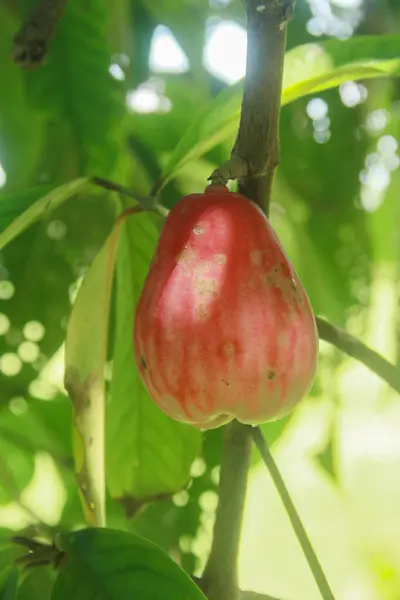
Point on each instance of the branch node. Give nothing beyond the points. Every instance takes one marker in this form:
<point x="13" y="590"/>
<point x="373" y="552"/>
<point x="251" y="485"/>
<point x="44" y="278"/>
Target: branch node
<point x="288" y="11"/>
<point x="234" y="168"/>
<point x="31" y="42"/>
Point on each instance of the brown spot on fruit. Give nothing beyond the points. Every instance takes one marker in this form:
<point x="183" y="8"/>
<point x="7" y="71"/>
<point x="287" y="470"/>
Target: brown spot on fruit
<point x="186" y="255"/>
<point x="269" y="280"/>
<point x="271" y="375"/>
<point x="143" y="363"/>
<point x="206" y="287"/>
<point x="229" y="350"/>
<point x="201" y="311"/>
<point x="198" y="230"/>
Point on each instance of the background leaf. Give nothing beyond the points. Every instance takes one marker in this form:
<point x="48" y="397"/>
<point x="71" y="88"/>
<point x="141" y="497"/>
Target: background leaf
<point x="37" y="584"/>
<point x="21" y="128"/>
<point x="9" y="584"/>
<point x="85" y="101"/>
<point x="308" y="69"/>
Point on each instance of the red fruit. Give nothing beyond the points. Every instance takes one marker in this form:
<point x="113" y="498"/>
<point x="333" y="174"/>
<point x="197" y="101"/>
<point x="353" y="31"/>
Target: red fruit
<point x="223" y="327"/>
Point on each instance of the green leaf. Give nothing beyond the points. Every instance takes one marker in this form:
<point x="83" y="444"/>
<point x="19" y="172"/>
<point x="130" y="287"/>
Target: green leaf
<point x="37" y="585"/>
<point x="85" y="359"/>
<point x="309" y="68"/>
<point x="114" y="565"/>
<point x="214" y="124"/>
<point x="38" y="209"/>
<point x="147" y="452"/>
<point x="42" y="426"/>
<point x="328" y="227"/>
<point x="9" y="553"/>
<point x="9" y="584"/>
<point x="75" y="88"/>
<point x="21" y="128"/>
<point x="16" y="469"/>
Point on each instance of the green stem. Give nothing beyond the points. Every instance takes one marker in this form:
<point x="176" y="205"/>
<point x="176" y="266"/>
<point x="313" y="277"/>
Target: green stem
<point x="293" y="515"/>
<point x="356" y="349"/>
<point x="220" y="579"/>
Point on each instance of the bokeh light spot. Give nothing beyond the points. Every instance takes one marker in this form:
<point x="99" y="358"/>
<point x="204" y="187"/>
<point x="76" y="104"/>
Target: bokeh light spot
<point x="10" y="364"/>
<point x="34" y="331"/>
<point x="28" y="351"/>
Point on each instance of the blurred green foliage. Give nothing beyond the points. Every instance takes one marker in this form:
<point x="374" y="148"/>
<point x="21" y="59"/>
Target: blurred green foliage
<point x="335" y="207"/>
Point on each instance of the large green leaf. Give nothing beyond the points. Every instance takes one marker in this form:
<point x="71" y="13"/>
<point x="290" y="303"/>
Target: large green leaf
<point x="9" y="584"/>
<point x="147" y="452"/>
<point x="113" y="565"/>
<point x="21" y="128"/>
<point x="40" y="426"/>
<point x="308" y="69"/>
<point x="75" y="89"/>
<point x="8" y="552"/>
<point x="311" y="68"/>
<point x="184" y="510"/>
<point x="37" y="585"/>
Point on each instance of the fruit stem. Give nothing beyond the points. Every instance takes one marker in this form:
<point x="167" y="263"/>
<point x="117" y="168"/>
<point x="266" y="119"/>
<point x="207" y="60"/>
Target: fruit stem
<point x="254" y="159"/>
<point x="220" y="578"/>
<point x="293" y="515"/>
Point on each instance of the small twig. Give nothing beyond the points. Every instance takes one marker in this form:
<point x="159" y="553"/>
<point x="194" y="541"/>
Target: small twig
<point x="220" y="579"/>
<point x="295" y="520"/>
<point x="116" y="187"/>
<point x="31" y="43"/>
<point x="156" y="188"/>
<point x="38" y="553"/>
<point x="356" y="349"/>
<point x="145" y="202"/>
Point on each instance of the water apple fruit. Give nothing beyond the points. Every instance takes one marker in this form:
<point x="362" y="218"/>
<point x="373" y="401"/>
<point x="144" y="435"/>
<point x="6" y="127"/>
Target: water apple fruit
<point x="223" y="327"/>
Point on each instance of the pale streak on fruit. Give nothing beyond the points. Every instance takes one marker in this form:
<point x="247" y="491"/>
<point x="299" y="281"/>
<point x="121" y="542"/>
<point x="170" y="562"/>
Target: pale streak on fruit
<point x="256" y="257"/>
